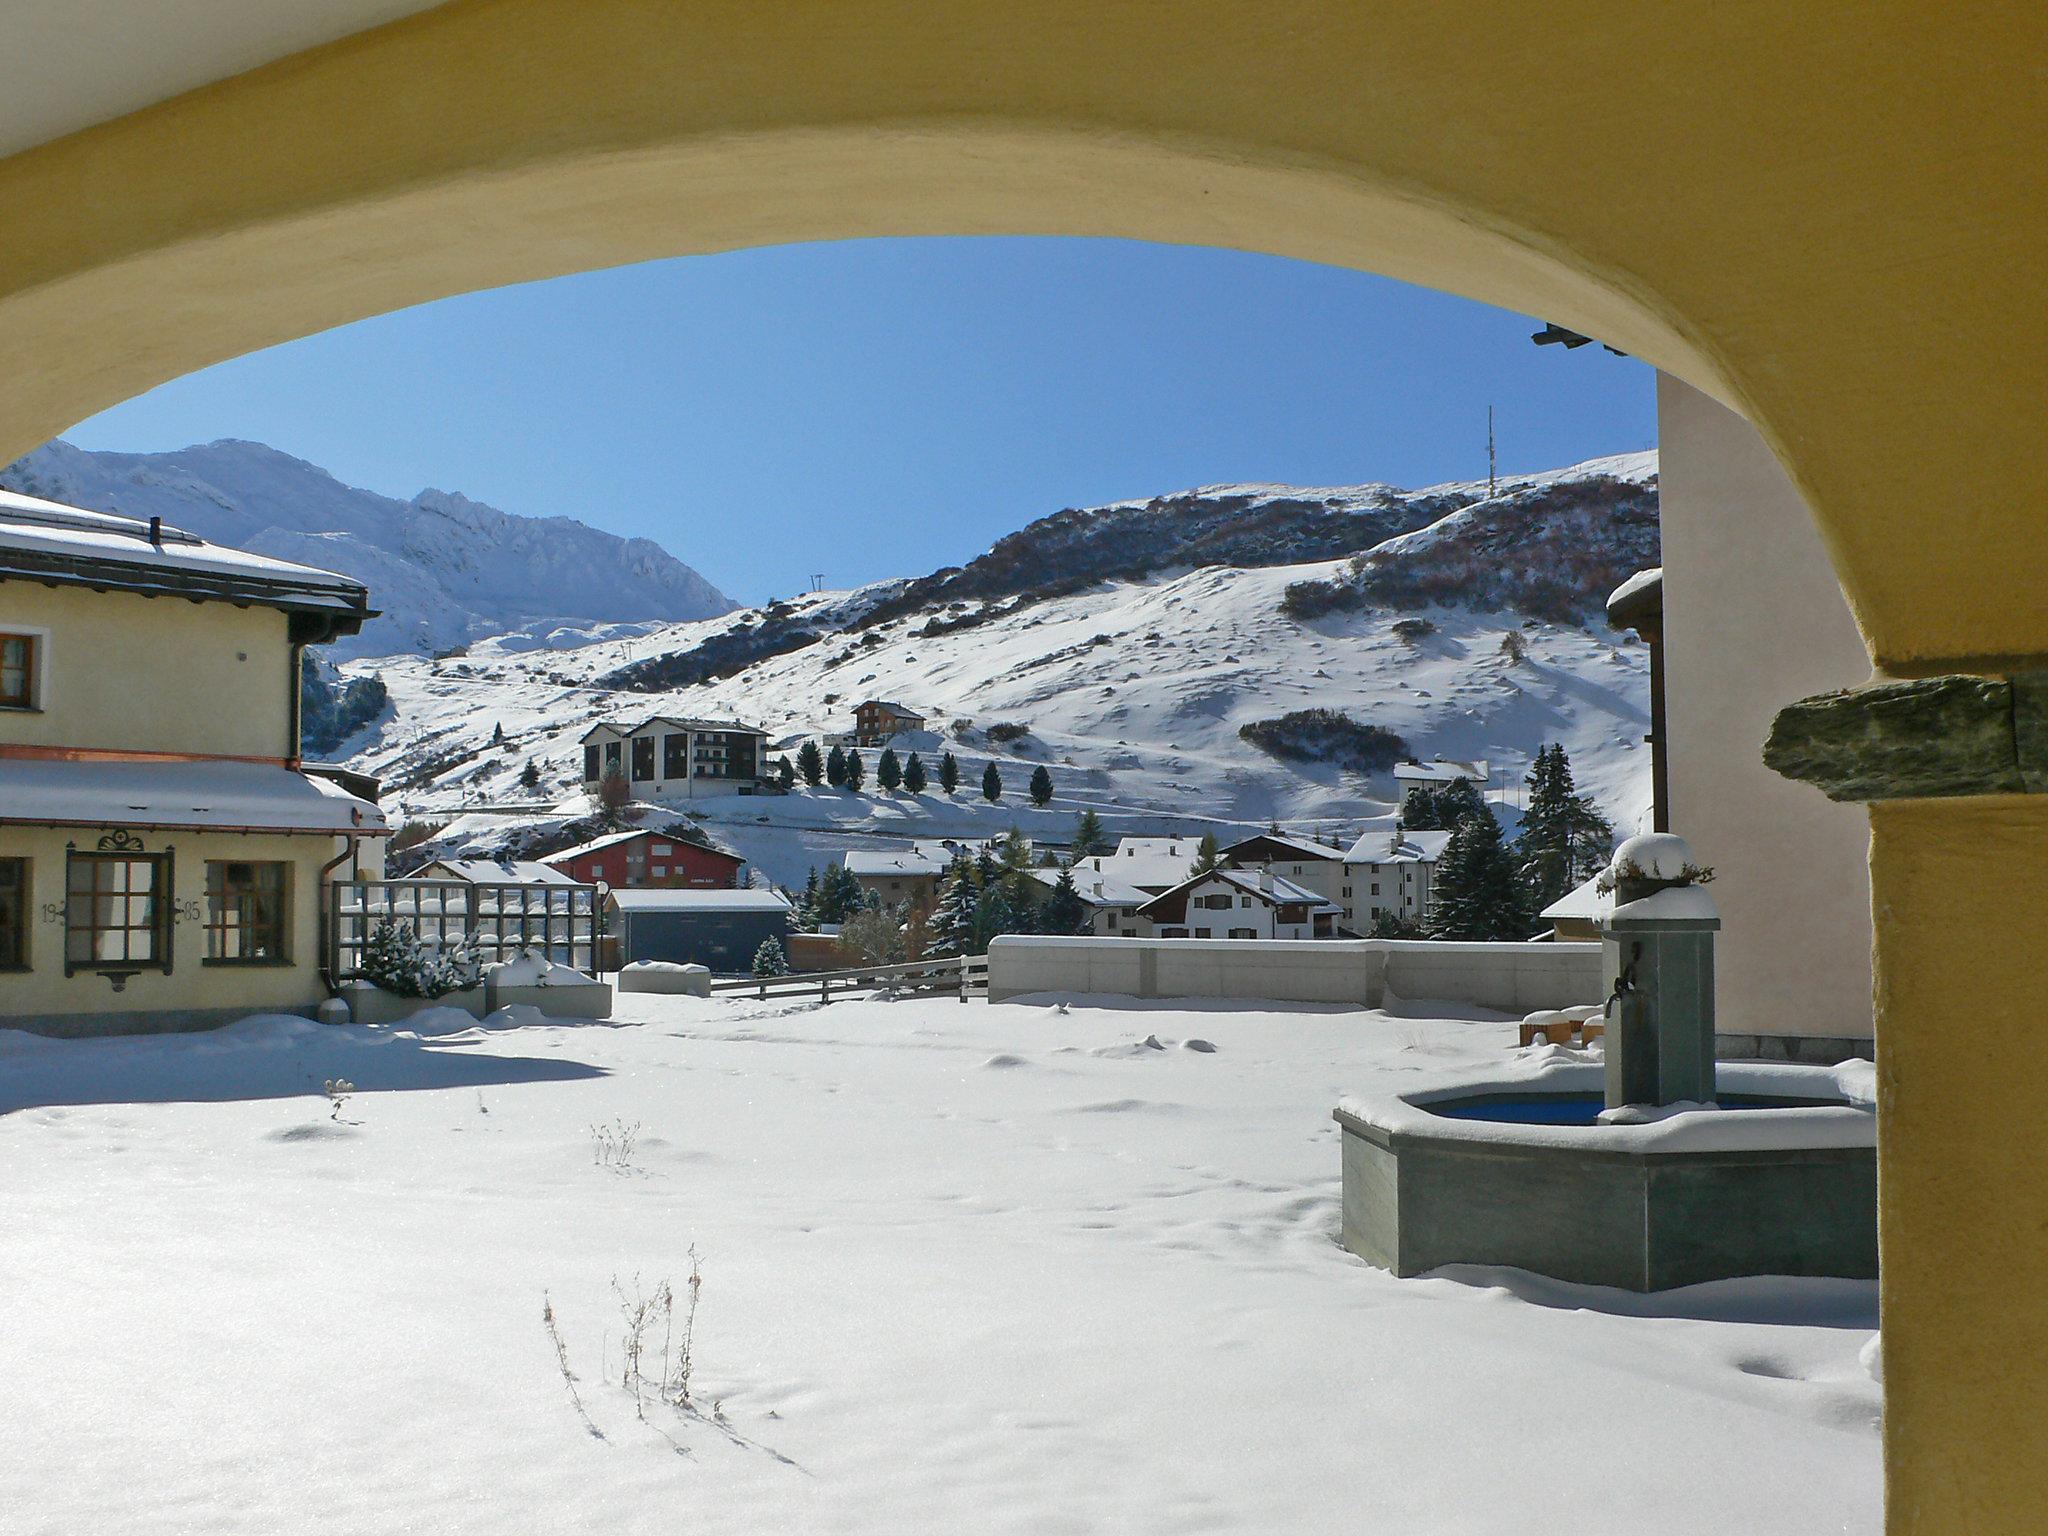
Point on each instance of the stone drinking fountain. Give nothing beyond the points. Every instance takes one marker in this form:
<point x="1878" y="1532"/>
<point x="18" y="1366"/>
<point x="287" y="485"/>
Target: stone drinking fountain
<point x="1653" y="1167"/>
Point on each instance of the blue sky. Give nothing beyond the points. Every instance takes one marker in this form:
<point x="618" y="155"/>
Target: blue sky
<point x="881" y="408"/>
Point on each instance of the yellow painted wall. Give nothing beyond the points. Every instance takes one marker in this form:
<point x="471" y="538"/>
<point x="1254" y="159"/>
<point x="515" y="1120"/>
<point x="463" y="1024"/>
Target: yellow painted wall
<point x="45" y="991"/>
<point x="1962" y="988"/>
<point x="1830" y="218"/>
<point x="156" y="674"/>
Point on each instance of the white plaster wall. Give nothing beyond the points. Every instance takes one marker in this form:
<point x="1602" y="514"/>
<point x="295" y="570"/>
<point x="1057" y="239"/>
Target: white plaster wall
<point x="1754" y="619"/>
<point x="1366" y="973"/>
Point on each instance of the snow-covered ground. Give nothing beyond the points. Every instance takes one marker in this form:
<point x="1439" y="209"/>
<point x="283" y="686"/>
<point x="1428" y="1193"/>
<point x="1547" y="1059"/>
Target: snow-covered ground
<point x="965" y="1268"/>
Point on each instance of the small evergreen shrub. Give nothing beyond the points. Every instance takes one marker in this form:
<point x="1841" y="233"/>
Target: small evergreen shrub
<point x="402" y="963"/>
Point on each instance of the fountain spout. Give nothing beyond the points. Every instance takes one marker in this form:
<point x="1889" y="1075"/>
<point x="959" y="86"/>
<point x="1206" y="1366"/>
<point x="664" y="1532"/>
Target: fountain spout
<point x="1658" y="944"/>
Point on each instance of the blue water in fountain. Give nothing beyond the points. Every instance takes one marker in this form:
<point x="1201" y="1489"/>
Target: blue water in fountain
<point x="1579" y="1108"/>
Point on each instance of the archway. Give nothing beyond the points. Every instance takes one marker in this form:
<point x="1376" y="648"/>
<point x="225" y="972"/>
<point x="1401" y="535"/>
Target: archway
<point x="1831" y="225"/>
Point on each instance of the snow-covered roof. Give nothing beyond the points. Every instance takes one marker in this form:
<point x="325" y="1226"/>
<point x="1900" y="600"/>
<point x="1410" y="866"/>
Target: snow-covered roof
<point x="1096" y="890"/>
<point x="137" y="793"/>
<point x="1158" y="871"/>
<point x="1147" y="847"/>
<point x="699" y="901"/>
<point x="1442" y="770"/>
<point x="903" y="863"/>
<point x="1398" y="847"/>
<point x="613" y="839"/>
<point x="497" y="872"/>
<point x="683" y="722"/>
<point x="1272" y="890"/>
<point x="1585" y="902"/>
<point x="924" y="856"/>
<point x="49" y="542"/>
<point x="1638" y="598"/>
<point x="1307" y="847"/>
<point x="945" y="849"/>
<point x="901" y="711"/>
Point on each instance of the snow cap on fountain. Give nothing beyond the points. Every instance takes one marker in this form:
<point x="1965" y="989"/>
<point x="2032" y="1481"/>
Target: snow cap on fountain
<point x="1656" y="855"/>
<point x="1654" y="875"/>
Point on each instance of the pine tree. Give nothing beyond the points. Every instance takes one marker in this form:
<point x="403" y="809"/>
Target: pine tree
<point x="856" y="771"/>
<point x="1457" y="800"/>
<point x="842" y="895"/>
<point x="1041" y="786"/>
<point x="1564" y="839"/>
<point x="1477" y="891"/>
<point x="498" y="734"/>
<point x="994" y="913"/>
<point x="1420" y="811"/>
<point x="810" y="764"/>
<point x="785" y="775"/>
<point x="991" y="783"/>
<point x="529" y="776"/>
<point x="889" y="771"/>
<point x="1063" y="911"/>
<point x="950" y="929"/>
<point x="835" y="767"/>
<point x="1089" y="838"/>
<point x="1207" y="857"/>
<point x="949" y="772"/>
<point x="913" y="775"/>
<point x="806" y="917"/>
<point x="769" y="959"/>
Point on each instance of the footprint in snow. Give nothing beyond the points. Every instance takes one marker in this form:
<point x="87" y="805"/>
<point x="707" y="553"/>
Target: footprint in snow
<point x="1004" y="1059"/>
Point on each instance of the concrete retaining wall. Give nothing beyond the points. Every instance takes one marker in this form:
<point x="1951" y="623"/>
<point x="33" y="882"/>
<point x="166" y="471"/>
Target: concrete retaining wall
<point x="1512" y="978"/>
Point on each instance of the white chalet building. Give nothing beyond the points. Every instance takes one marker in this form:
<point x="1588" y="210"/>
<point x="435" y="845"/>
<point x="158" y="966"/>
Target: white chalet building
<point x="675" y="758"/>
<point x="1440" y="771"/>
<point x="1390" y="871"/>
<point x="1240" y="904"/>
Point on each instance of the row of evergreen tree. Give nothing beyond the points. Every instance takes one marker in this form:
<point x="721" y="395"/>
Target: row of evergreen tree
<point x="1485" y="887"/>
<point x="844" y="768"/>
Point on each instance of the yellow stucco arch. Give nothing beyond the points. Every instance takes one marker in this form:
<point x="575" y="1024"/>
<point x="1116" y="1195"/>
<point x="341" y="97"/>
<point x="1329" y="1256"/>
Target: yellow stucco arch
<point x="1831" y="218"/>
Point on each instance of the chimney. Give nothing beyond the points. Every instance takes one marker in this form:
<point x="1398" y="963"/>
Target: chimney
<point x="156" y="532"/>
<point x="1266" y="878"/>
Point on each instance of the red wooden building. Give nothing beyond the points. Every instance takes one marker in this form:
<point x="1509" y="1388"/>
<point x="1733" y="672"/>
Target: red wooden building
<point x="640" y="860"/>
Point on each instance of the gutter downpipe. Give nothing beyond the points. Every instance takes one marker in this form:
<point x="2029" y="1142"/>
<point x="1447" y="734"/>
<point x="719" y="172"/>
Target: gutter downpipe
<point x="323" y="886"/>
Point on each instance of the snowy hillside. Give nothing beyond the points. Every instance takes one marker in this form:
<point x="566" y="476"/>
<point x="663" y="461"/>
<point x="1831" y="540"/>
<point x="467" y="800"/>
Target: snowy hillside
<point x="1134" y="691"/>
<point x="443" y="569"/>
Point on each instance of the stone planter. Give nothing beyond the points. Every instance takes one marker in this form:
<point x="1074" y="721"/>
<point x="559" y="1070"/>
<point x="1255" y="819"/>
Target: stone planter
<point x="370" y="1004"/>
<point x="565" y="1000"/>
<point x="663" y="976"/>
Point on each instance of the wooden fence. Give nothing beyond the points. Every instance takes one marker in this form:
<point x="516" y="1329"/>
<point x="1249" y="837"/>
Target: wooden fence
<point x="966" y="975"/>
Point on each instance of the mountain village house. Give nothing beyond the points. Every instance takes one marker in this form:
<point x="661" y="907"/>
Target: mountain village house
<point x="162" y="848"/>
<point x="875" y="721"/>
<point x="1382" y="872"/>
<point x="1440" y="772"/>
<point x="643" y="859"/>
<point x="1112" y="904"/>
<point x="1241" y="904"/>
<point x="493" y="872"/>
<point x="667" y="758"/>
<point x="896" y="876"/>
<point x="720" y="929"/>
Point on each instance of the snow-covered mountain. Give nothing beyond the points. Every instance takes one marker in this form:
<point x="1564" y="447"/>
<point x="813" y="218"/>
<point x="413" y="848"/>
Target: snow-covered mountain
<point x="1130" y="654"/>
<point x="444" y="570"/>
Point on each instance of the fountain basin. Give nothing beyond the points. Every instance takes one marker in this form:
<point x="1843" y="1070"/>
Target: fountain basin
<point x="1510" y="1170"/>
